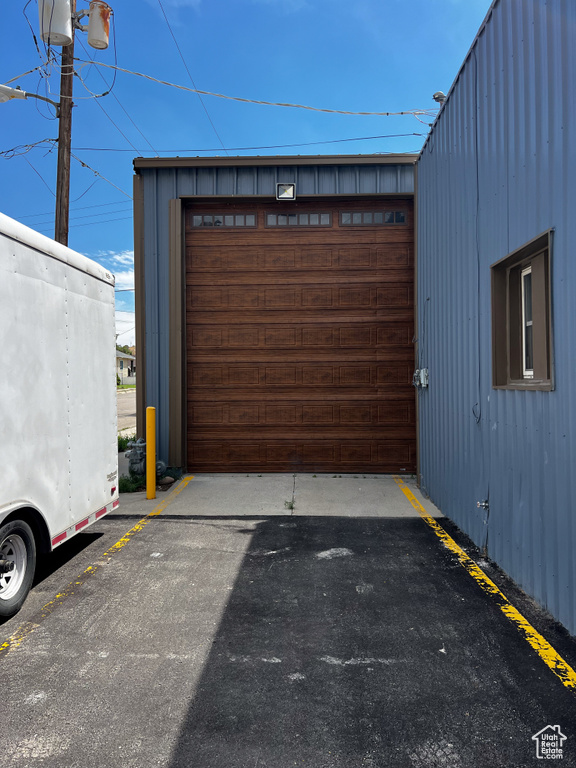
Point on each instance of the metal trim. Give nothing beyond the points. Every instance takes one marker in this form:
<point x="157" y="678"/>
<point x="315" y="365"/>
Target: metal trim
<point x="139" y="304"/>
<point x="177" y="417"/>
<point x="272" y="160"/>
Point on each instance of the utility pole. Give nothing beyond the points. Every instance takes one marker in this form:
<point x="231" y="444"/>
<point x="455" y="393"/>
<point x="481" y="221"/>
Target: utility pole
<point x="58" y="22"/>
<point x="65" y="140"/>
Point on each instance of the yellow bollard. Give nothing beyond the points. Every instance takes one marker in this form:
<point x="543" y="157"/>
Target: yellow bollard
<point x="150" y="453"/>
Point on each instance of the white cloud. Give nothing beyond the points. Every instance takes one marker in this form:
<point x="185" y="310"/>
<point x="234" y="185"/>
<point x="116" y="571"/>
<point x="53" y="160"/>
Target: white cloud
<point x="126" y="257"/>
<point x="125" y="328"/>
<point x="124" y="280"/>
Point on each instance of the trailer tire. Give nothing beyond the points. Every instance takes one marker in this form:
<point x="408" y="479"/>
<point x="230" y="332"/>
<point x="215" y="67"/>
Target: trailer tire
<point x="17" y="545"/>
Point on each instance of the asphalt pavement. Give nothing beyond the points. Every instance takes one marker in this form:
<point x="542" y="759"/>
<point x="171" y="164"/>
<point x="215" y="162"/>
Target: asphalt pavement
<point x="245" y="621"/>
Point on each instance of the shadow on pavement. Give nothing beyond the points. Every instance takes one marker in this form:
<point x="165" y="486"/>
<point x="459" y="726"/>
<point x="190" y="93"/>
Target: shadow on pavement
<point x="52" y="562"/>
<point x="360" y="642"/>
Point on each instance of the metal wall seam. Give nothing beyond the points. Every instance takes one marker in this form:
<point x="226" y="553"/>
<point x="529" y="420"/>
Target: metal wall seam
<point x="482" y="200"/>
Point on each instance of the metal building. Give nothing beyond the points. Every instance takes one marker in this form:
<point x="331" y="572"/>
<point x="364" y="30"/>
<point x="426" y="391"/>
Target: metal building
<point x="496" y="201"/>
<point x="275" y="309"/>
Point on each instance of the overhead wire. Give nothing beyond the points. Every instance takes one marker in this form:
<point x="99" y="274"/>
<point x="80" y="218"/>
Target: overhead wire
<point x="123" y="310"/>
<point x="22" y="149"/>
<point x="110" y="93"/>
<point x="82" y="208"/>
<point x="268" y="146"/>
<point x="97" y="173"/>
<point x="97" y="96"/>
<point x="32" y="31"/>
<point x="84" y="193"/>
<point x="413" y="112"/>
<point x="45" y="226"/>
<point x="89" y="216"/>
<point x="30" y="71"/>
<point x="37" y="172"/>
<point x="190" y="76"/>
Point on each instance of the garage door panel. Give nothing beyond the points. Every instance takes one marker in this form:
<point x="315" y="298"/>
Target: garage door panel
<point x="283" y="374"/>
<point x="293" y="297"/>
<point x="337" y="420"/>
<point x="303" y="456"/>
<point x="323" y="373"/>
<point x="235" y="259"/>
<point x="244" y="280"/>
<point x="299" y="343"/>
<point x="286" y="413"/>
<point x="253" y="336"/>
<point x="257" y="243"/>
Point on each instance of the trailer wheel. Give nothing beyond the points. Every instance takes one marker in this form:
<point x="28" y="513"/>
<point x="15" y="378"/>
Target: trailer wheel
<point x="17" y="565"/>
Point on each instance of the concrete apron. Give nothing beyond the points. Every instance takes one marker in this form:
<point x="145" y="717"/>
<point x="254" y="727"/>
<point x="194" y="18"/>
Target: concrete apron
<point x="234" y="495"/>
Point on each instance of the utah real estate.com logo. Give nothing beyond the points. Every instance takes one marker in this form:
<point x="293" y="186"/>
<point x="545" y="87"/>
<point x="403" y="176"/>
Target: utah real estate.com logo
<point x="549" y="743"/>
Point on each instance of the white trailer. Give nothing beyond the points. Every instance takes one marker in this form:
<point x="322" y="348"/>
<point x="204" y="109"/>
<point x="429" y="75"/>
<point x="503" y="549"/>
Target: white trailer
<point x="58" y="434"/>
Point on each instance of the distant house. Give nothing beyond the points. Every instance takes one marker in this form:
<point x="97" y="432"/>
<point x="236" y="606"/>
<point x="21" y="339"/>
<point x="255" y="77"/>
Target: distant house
<point x="125" y="365"/>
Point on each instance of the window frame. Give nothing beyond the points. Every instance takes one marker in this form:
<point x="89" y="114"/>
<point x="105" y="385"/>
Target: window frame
<point x="527" y="339"/>
<point x="509" y="327"/>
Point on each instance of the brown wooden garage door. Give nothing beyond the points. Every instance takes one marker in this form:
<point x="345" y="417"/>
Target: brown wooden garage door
<point x="299" y="336"/>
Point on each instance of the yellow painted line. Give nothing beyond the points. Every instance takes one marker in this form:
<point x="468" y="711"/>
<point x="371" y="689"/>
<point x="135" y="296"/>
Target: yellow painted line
<point x="18" y="637"/>
<point x="549" y="656"/>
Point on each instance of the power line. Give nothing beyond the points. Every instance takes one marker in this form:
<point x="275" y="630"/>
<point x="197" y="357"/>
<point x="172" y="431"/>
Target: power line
<point x="32" y="31"/>
<point x="85" y="192"/>
<point x="109" y="92"/>
<point x="82" y="208"/>
<point x="412" y="112"/>
<point x="41" y="177"/>
<point x="120" y="131"/>
<point x="269" y="146"/>
<point x="97" y="173"/>
<point x="190" y="75"/>
<point x="90" y="216"/>
<point x="30" y="71"/>
<point x="44" y="225"/>
<point x="22" y="149"/>
<point x="215" y="149"/>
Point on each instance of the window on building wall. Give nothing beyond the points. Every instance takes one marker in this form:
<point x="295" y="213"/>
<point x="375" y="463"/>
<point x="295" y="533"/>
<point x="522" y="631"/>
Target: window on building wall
<point x="522" y="318"/>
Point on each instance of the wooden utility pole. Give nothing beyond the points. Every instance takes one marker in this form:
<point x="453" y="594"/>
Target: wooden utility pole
<point x="65" y="139"/>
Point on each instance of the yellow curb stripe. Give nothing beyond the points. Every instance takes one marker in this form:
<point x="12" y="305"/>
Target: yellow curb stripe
<point x="18" y="637"/>
<point x="549" y="656"/>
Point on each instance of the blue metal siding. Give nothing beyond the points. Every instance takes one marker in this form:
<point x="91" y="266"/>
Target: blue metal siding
<point x="164" y="184"/>
<point x="496" y="171"/>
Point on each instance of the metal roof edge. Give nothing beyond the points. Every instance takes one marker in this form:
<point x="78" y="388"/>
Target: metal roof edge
<point x="15" y="230"/>
<point x="465" y="61"/>
<point x="273" y="160"/>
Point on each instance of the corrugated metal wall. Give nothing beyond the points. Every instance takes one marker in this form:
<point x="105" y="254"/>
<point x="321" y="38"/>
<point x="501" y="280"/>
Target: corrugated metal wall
<point x="497" y="170"/>
<point x="162" y="184"/>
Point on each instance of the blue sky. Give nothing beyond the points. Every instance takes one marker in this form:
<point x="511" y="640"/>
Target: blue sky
<point x="354" y="55"/>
